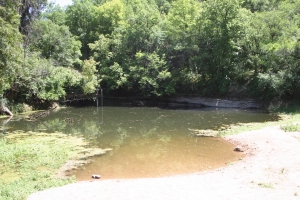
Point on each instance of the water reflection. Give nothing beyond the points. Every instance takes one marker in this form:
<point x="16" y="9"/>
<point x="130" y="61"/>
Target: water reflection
<point x="146" y="141"/>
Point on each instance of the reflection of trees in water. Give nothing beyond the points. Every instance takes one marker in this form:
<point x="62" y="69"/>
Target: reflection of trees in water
<point x="135" y="132"/>
<point x="38" y="125"/>
<point x="136" y="127"/>
<point x="164" y="138"/>
<point x="67" y="125"/>
<point x="150" y="143"/>
<point x="152" y="150"/>
<point x="121" y="136"/>
<point x="51" y="125"/>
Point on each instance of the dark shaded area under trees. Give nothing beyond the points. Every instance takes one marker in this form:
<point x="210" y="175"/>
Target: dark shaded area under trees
<point x="149" y="48"/>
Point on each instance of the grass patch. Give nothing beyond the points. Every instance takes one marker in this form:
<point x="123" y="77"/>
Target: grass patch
<point x="29" y="162"/>
<point x="266" y="185"/>
<point x="287" y="122"/>
<point x="291" y="127"/>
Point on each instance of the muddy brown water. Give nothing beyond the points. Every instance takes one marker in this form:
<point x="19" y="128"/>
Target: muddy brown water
<point x="146" y="141"/>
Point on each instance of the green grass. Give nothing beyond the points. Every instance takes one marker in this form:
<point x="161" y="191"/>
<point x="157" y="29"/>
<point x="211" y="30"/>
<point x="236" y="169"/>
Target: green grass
<point x="289" y="121"/>
<point x="266" y="185"/>
<point x="29" y="183"/>
<point x="291" y="127"/>
<point x="29" y="162"/>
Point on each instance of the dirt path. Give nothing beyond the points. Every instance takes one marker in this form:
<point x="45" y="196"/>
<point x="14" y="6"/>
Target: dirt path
<point x="270" y="171"/>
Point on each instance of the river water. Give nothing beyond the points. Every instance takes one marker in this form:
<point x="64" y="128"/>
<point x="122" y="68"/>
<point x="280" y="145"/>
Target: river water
<point x="146" y="141"/>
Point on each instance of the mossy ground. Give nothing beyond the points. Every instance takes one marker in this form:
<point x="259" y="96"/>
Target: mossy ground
<point x="29" y="161"/>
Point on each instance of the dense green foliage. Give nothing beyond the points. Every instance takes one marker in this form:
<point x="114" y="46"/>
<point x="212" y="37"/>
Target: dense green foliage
<point x="151" y="48"/>
<point x="10" y="51"/>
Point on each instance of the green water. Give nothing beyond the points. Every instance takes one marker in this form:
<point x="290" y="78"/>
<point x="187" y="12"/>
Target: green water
<point x="146" y="141"/>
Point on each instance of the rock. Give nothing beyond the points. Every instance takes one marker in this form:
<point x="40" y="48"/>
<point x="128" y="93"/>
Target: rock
<point x="95" y="176"/>
<point x="238" y="149"/>
<point x="220" y="103"/>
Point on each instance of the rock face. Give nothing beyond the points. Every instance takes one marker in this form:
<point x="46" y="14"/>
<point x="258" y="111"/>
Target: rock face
<point x="220" y="103"/>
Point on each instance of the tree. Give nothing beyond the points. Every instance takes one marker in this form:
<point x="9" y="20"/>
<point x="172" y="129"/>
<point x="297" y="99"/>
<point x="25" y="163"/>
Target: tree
<point x="57" y="82"/>
<point x="261" y="5"/>
<point x="55" y="42"/>
<point x="80" y="17"/>
<point x="278" y="74"/>
<point x="90" y="81"/>
<point x="55" y="13"/>
<point x="114" y="75"/>
<point x="29" y="11"/>
<point x="108" y="16"/>
<point x="181" y="42"/>
<point x="150" y="47"/>
<point x="10" y="41"/>
<point x="149" y="73"/>
<point x="164" y="5"/>
<point x="128" y="54"/>
<point x="222" y="25"/>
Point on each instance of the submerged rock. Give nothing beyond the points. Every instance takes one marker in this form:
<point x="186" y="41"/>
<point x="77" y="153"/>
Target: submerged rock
<point x="204" y="133"/>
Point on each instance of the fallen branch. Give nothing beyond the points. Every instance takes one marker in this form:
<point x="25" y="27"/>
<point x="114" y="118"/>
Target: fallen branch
<point x="7" y="111"/>
<point x="41" y="114"/>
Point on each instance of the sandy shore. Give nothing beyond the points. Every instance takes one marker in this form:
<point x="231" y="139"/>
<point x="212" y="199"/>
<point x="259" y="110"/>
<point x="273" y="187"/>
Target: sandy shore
<point x="271" y="170"/>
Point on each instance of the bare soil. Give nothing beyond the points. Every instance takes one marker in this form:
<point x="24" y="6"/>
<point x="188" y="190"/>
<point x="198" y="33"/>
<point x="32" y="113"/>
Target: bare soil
<point x="270" y="170"/>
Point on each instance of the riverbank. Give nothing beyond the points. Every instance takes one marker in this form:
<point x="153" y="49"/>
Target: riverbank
<point x="30" y="161"/>
<point x="270" y="170"/>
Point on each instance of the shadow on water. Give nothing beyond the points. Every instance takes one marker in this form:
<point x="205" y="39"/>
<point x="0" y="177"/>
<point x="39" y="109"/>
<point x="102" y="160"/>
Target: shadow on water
<point x="146" y="141"/>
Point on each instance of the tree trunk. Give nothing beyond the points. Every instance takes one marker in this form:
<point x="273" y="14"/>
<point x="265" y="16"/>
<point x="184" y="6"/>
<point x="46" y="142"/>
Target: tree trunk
<point x="6" y="110"/>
